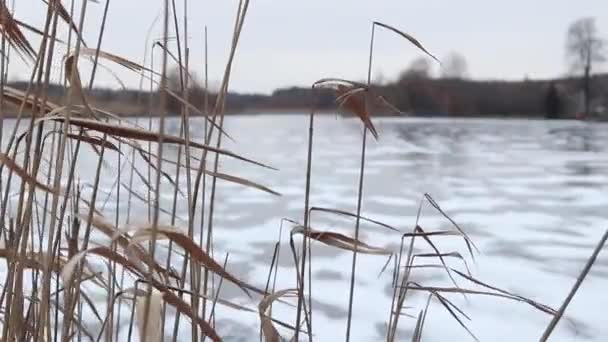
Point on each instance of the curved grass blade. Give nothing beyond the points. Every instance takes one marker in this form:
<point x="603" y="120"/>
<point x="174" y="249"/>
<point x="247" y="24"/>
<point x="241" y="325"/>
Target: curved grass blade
<point x="270" y="332"/>
<point x="409" y="38"/>
<point x="346" y="213"/>
<point x="195" y="252"/>
<point x="11" y="31"/>
<point x="8" y="162"/>
<point x="340" y="241"/>
<point x="140" y="134"/>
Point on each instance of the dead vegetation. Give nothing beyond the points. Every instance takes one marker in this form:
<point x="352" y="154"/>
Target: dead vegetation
<point x="55" y="272"/>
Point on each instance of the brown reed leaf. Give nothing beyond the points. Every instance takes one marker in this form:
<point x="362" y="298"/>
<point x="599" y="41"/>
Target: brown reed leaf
<point x="67" y="273"/>
<point x="114" y="58"/>
<point x="408" y="37"/>
<point x="195" y="252"/>
<point x="17" y="98"/>
<point x="140" y="134"/>
<point x="72" y="74"/>
<point x="355" y="100"/>
<point x="187" y="310"/>
<point x="36" y="31"/>
<point x="8" y="162"/>
<point x="65" y="16"/>
<point x="11" y="31"/>
<point x="96" y="141"/>
<point x="241" y="181"/>
<point x="138" y="68"/>
<point x="270" y="332"/>
<point x="135" y="251"/>
<point x="332" y="83"/>
<point x="340" y="241"/>
<point x="346" y="213"/>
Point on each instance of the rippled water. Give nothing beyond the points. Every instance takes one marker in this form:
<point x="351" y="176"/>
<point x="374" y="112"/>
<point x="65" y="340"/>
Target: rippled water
<point x="531" y="194"/>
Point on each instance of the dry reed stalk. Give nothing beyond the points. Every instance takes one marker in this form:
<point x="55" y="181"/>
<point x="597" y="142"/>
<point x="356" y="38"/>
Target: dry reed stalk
<point x="60" y="153"/>
<point x="558" y="315"/>
<point x="367" y="122"/>
<point x="305" y="241"/>
<point x="183" y="108"/>
<point x="74" y="295"/>
<point x="159" y="153"/>
<point x="398" y="298"/>
<point x="218" y="111"/>
<point x="26" y="220"/>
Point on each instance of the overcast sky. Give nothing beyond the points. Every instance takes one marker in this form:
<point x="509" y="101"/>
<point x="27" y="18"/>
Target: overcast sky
<point x="289" y="42"/>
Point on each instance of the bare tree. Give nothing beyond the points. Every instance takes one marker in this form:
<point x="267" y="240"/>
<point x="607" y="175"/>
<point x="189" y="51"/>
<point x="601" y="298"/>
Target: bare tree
<point x="454" y="66"/>
<point x="584" y="49"/>
<point x="420" y="68"/>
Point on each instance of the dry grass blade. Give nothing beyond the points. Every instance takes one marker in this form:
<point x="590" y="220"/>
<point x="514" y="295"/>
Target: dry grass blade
<point x="448" y="306"/>
<point x="438" y="289"/>
<point x="332" y="82"/>
<point x="438" y="253"/>
<point x="148" y="158"/>
<point x="355" y="100"/>
<point x="114" y="58"/>
<point x="558" y="315"/>
<point x="536" y="305"/>
<point x="186" y="309"/>
<point x="65" y="16"/>
<point x="445" y="255"/>
<point x="37" y="31"/>
<point x="11" y="31"/>
<point x="270" y="332"/>
<point x="142" y="198"/>
<point x="340" y="241"/>
<point x="95" y="141"/>
<point x="241" y="181"/>
<point x="140" y="134"/>
<point x="150" y="330"/>
<point x="196" y="253"/>
<point x="133" y="251"/>
<point x="433" y="233"/>
<point x="225" y="303"/>
<point x="77" y="322"/>
<point x="420" y="322"/>
<point x="8" y="162"/>
<point x="408" y="37"/>
<point x="135" y="67"/>
<point x="417" y="335"/>
<point x="18" y="98"/>
<point x="72" y="74"/>
<point x="91" y="305"/>
<point x="346" y="213"/>
<point x="35" y="261"/>
<point x="164" y="294"/>
<point x="384" y="102"/>
<point x="468" y="241"/>
<point x="67" y="273"/>
<point x="167" y="176"/>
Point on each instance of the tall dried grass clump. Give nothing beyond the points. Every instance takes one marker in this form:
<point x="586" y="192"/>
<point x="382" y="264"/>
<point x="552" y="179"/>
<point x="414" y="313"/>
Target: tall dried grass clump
<point x="157" y="277"/>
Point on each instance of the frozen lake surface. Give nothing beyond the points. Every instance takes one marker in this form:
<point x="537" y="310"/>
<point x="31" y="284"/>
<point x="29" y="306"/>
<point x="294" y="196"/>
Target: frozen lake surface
<point x="532" y="195"/>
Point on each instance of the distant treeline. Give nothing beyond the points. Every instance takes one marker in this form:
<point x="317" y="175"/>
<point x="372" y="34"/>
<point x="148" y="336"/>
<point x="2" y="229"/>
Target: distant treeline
<point x="412" y="94"/>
